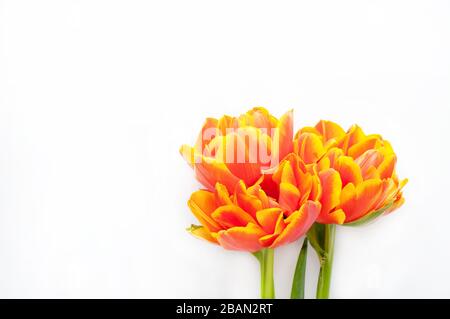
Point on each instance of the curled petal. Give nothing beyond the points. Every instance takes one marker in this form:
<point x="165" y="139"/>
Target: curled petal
<point x="188" y="154"/>
<point x="269" y="218"/>
<point x="331" y="192"/>
<point x="353" y="136"/>
<point x="386" y="168"/>
<point x="282" y="137"/>
<point x="202" y="233"/>
<point x="350" y="171"/>
<point x="232" y="216"/>
<point x="242" y="238"/>
<point x="329" y="130"/>
<point x="209" y="172"/>
<point x="367" y="144"/>
<point x="222" y="197"/>
<point x="208" y="132"/>
<point x="289" y="197"/>
<point x="362" y="200"/>
<point x="248" y="202"/>
<point x="201" y="203"/>
<point x="299" y="223"/>
<point x="309" y="147"/>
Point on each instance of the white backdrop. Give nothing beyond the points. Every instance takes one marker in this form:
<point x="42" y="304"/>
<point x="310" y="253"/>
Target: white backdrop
<point x="97" y="96"/>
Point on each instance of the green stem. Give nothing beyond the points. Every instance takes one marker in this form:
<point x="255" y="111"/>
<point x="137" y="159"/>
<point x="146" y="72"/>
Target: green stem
<point x="298" y="282"/>
<point x="265" y="258"/>
<point x="326" y="262"/>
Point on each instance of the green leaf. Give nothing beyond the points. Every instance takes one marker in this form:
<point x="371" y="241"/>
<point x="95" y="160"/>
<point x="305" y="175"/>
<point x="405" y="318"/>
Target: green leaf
<point x="298" y="282"/>
<point x="369" y="217"/>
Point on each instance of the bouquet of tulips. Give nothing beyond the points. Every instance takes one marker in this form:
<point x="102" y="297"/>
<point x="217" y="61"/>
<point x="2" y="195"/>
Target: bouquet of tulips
<point x="266" y="187"/>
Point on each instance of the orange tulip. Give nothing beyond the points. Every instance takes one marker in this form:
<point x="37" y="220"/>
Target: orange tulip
<point x="231" y="149"/>
<point x="356" y="171"/>
<point x="248" y="220"/>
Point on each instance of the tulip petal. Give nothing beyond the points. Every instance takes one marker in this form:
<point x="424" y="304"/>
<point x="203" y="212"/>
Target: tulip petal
<point x="241" y="238"/>
<point x="354" y="136"/>
<point x="337" y="217"/>
<point x="208" y="132"/>
<point x="268" y="240"/>
<point x="209" y="171"/>
<point x="201" y="204"/>
<point x="283" y="136"/>
<point x="188" y="154"/>
<point x="365" y="198"/>
<point x="350" y="171"/>
<point x="386" y="168"/>
<point x="358" y="149"/>
<point x="268" y="218"/>
<point x="246" y="201"/>
<point x="232" y="216"/>
<point x="309" y="147"/>
<point x="329" y="130"/>
<point x="299" y="223"/>
<point x="202" y="233"/>
<point x="222" y="197"/>
<point x="331" y="190"/>
<point x="289" y="197"/>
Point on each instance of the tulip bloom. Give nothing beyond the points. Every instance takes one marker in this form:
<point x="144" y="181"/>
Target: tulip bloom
<point x="231" y="149"/>
<point x="357" y="172"/>
<point x="358" y="180"/>
<point x="249" y="220"/>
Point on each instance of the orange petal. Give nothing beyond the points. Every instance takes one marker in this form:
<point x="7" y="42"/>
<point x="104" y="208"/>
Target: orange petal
<point x="222" y="197"/>
<point x="329" y="130"/>
<point x="283" y="136"/>
<point x="309" y="147"/>
<point x="331" y="190"/>
<point x="240" y="155"/>
<point x="369" y="159"/>
<point x="306" y="129"/>
<point x="205" y="200"/>
<point x="269" y="186"/>
<point x="287" y="175"/>
<point x="210" y="171"/>
<point x="242" y="238"/>
<point x="202" y="205"/>
<point x="268" y="218"/>
<point x="350" y="171"/>
<point x="232" y="216"/>
<point x="289" y="197"/>
<point x="366" y="196"/>
<point x="268" y="240"/>
<point x="367" y="144"/>
<point x="250" y="203"/>
<point x="299" y="223"/>
<point x="354" y="135"/>
<point x="202" y="233"/>
<point x="386" y="168"/>
<point x="208" y="132"/>
<point x="188" y="154"/>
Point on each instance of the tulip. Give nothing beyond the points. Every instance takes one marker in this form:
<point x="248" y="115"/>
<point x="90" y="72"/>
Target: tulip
<point x="356" y="171"/>
<point x="249" y="220"/>
<point x="358" y="180"/>
<point x="231" y="149"/>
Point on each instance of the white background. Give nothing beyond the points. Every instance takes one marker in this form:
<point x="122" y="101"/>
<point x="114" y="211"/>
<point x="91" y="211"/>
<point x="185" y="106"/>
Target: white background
<point x="97" y="96"/>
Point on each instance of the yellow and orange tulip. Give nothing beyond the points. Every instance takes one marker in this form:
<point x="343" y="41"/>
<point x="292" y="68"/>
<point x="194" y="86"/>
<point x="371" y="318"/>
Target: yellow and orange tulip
<point x="356" y="171"/>
<point x="231" y="149"/>
<point x="248" y="220"/>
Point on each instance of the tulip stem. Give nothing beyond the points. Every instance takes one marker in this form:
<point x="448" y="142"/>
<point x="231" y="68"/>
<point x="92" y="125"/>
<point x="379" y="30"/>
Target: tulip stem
<point x="326" y="262"/>
<point x="265" y="258"/>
